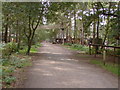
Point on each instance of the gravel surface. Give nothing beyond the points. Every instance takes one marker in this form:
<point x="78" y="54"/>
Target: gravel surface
<point x="58" y="67"/>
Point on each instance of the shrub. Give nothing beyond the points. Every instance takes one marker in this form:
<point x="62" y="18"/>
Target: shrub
<point x="77" y="47"/>
<point x="8" y="49"/>
<point x="118" y="52"/>
<point x="68" y="44"/>
<point x="80" y="47"/>
<point x="9" y="80"/>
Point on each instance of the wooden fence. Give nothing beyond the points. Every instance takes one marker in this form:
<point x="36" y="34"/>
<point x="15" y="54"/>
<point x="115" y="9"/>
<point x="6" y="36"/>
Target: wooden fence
<point x="104" y="47"/>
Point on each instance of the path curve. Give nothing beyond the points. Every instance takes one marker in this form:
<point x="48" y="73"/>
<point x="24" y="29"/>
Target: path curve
<point x="58" y="67"/>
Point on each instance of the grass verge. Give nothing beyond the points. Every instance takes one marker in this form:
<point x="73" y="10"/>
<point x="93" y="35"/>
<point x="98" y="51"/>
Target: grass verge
<point x="109" y="66"/>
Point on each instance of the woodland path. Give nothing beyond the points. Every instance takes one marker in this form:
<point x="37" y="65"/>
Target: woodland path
<point x="58" y="67"/>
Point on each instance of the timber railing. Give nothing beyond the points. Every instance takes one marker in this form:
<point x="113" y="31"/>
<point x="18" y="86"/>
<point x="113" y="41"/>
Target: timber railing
<point x="104" y="50"/>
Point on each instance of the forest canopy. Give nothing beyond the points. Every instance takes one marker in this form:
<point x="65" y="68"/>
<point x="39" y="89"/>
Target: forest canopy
<point x="82" y="21"/>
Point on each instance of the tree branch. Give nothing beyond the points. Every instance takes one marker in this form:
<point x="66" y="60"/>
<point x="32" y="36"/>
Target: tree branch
<point x="25" y="33"/>
<point x="29" y="27"/>
<point x="107" y="14"/>
<point x="34" y="28"/>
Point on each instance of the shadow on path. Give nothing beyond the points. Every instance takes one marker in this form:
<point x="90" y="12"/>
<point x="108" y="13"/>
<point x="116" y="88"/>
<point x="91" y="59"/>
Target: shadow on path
<point x="57" y="67"/>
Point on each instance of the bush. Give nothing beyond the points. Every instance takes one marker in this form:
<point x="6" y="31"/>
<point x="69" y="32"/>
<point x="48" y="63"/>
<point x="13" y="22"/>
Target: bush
<point x="80" y="47"/>
<point x="9" y="80"/>
<point x="118" y="52"/>
<point x="77" y="47"/>
<point x="8" y="49"/>
<point x="68" y="44"/>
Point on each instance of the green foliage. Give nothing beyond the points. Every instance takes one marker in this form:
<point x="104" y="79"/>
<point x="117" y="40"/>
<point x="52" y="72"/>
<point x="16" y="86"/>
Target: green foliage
<point x="68" y="44"/>
<point x="9" y="67"/>
<point x="118" y="52"/>
<point x="109" y="66"/>
<point x="77" y="47"/>
<point x="33" y="48"/>
<point x="9" y="80"/>
<point x="8" y="49"/>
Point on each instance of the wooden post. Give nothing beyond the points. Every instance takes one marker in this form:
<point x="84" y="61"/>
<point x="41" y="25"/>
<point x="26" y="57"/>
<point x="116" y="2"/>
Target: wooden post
<point x="104" y="56"/>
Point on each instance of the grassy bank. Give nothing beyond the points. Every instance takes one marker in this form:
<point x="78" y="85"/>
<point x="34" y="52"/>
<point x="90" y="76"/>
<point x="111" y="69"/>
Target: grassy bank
<point x="109" y="66"/>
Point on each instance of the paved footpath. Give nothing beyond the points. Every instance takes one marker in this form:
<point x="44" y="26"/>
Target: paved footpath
<point x="57" y="67"/>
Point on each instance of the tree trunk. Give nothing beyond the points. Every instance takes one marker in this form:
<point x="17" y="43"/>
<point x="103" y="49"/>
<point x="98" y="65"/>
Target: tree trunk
<point x="82" y="33"/>
<point x="119" y="21"/>
<point x="94" y="29"/>
<point x="32" y="30"/>
<point x="6" y="30"/>
<point x="2" y="35"/>
<point x="29" y="47"/>
<point x="19" y="40"/>
<point x="74" y="26"/>
<point x="17" y="32"/>
<point x="98" y="22"/>
<point x="107" y="28"/>
<point x="6" y="33"/>
<point x="66" y="34"/>
<point x="30" y="42"/>
<point x="9" y="35"/>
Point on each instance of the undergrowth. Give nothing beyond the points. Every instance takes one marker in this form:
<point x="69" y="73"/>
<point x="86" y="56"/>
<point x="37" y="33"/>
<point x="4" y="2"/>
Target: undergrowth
<point x="33" y="49"/>
<point x="77" y="47"/>
<point x="10" y="61"/>
<point x="9" y="66"/>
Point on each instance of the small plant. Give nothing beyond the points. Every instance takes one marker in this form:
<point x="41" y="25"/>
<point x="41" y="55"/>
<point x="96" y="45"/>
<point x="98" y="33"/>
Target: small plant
<point x="8" y="49"/>
<point x="10" y="65"/>
<point x="9" y="80"/>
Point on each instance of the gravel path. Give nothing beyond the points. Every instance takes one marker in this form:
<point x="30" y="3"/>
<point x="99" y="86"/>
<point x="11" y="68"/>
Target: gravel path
<point x="58" y="67"/>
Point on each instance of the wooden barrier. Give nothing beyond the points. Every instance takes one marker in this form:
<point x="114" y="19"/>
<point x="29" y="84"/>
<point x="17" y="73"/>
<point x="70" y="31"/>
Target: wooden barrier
<point x="104" y="51"/>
